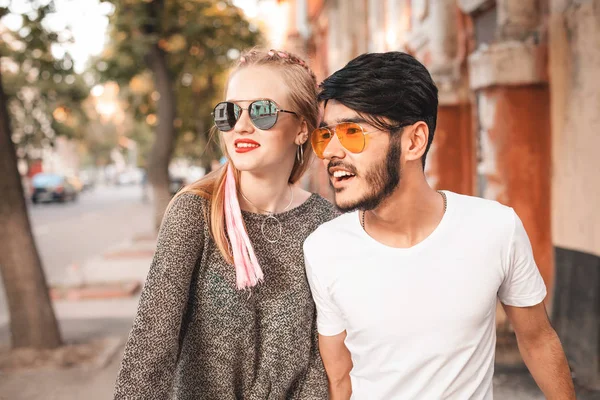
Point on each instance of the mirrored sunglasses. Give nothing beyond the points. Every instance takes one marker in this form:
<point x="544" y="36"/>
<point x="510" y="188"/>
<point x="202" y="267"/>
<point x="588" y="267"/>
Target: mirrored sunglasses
<point x="263" y="114"/>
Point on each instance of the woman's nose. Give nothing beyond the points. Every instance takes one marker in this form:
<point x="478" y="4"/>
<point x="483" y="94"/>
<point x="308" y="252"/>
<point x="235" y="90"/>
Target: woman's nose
<point x="243" y="124"/>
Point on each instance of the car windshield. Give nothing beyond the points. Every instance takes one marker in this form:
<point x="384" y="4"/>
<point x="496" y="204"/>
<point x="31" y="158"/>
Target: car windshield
<point x="45" y="180"/>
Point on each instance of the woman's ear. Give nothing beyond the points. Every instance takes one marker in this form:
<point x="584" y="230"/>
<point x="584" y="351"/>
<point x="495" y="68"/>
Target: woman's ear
<point x="302" y="135"/>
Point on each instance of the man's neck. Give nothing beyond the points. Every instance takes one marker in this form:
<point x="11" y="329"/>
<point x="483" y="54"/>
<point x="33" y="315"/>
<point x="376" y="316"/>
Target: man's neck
<point x="411" y="213"/>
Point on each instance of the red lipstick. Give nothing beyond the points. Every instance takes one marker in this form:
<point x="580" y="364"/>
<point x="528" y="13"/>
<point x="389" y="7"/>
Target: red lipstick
<point x="245" y="145"/>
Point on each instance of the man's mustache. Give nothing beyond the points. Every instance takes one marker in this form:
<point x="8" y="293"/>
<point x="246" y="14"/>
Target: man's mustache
<point x="337" y="164"/>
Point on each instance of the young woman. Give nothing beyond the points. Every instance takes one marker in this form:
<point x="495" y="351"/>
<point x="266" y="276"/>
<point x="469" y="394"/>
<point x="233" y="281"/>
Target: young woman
<point x="226" y="311"/>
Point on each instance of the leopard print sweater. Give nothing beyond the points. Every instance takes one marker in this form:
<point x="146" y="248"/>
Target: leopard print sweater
<point x="196" y="336"/>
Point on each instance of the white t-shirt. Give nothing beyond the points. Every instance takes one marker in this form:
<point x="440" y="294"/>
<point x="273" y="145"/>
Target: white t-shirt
<point x="420" y="321"/>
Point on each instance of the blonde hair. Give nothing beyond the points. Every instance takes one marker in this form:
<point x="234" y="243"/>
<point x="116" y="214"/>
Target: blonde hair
<point x="302" y="84"/>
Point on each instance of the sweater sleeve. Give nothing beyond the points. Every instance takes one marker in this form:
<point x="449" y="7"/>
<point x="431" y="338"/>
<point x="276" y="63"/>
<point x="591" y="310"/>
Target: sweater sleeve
<point x="152" y="349"/>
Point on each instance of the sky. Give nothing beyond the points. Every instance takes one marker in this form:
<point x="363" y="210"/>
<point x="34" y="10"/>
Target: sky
<point x="88" y="21"/>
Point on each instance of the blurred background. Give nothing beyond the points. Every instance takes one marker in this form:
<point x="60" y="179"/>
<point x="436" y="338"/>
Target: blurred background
<point x="105" y="114"/>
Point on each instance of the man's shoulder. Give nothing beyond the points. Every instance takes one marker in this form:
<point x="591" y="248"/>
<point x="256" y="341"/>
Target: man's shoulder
<point x="474" y="204"/>
<point x="322" y="247"/>
<point x="329" y="231"/>
<point x="482" y="212"/>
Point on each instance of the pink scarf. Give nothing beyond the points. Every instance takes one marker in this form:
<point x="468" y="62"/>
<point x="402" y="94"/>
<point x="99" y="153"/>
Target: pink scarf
<point x="247" y="269"/>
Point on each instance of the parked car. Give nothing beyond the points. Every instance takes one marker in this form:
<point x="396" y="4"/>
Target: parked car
<point x="52" y="187"/>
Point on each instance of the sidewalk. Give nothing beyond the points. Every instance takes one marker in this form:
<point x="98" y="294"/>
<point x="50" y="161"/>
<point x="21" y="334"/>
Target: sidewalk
<point x="108" y="285"/>
<point x="108" y="315"/>
<point x="92" y="311"/>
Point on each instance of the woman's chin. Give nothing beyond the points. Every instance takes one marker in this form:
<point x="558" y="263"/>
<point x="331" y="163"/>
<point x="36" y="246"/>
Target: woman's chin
<point x="246" y="164"/>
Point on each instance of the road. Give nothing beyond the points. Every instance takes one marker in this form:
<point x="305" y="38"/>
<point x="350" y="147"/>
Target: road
<point x="68" y="234"/>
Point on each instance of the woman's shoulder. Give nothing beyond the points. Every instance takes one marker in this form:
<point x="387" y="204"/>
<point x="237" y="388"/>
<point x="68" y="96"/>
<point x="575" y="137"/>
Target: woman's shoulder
<point x="324" y="208"/>
<point x="187" y="203"/>
<point x="185" y="212"/>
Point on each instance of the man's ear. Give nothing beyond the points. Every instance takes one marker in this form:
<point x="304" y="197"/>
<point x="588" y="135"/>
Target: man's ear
<point x="414" y="141"/>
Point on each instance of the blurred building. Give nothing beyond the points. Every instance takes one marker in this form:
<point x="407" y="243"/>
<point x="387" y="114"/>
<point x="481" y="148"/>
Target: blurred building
<point x="518" y="121"/>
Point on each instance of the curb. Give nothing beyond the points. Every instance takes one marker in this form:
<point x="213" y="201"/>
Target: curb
<point x="129" y="253"/>
<point x="69" y="356"/>
<point x="96" y="291"/>
<point x="145" y="237"/>
<point x="116" y="273"/>
<point x="114" y="345"/>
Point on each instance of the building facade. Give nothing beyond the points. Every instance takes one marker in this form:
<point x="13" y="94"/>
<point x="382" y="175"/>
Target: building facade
<point x="518" y="122"/>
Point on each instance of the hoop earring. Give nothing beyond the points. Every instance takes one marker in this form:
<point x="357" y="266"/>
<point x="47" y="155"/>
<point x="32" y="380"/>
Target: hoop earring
<point x="300" y="154"/>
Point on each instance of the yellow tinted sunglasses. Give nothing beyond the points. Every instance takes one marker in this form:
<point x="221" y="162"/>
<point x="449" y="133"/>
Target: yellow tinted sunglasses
<point x="351" y="135"/>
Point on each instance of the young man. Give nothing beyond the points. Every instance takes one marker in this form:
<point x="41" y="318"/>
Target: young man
<point x="406" y="281"/>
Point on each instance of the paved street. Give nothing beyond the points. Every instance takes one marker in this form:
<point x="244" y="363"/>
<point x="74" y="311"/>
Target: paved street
<point x="68" y="234"/>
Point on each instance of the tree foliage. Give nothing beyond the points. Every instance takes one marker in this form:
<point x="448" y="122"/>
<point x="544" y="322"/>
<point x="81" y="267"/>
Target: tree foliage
<point x="200" y="39"/>
<point x="44" y="93"/>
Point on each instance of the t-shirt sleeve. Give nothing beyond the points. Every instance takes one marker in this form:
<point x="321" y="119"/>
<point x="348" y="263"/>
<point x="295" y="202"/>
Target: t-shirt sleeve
<point x="523" y="285"/>
<point x="330" y="320"/>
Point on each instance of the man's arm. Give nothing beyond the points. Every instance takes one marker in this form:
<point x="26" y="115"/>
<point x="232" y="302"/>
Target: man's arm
<point x="338" y="365"/>
<point x="542" y="351"/>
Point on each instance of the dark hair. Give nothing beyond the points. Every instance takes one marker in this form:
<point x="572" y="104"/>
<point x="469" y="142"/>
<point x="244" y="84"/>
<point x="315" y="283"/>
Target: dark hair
<point x="390" y="90"/>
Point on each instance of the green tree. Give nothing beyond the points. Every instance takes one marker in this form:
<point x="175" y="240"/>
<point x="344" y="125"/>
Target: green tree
<point x="32" y="319"/>
<point x="101" y="138"/>
<point x="169" y="58"/>
<point x="44" y="94"/>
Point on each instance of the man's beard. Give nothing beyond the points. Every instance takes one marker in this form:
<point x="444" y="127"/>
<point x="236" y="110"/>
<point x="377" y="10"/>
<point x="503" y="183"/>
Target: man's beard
<point x="381" y="180"/>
